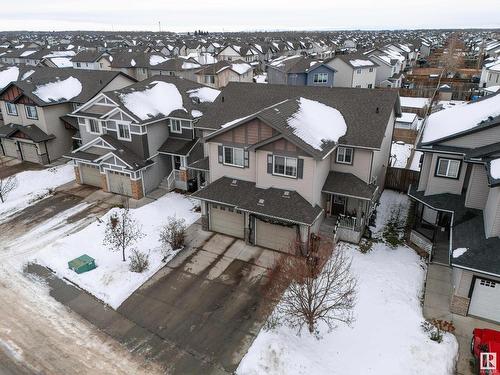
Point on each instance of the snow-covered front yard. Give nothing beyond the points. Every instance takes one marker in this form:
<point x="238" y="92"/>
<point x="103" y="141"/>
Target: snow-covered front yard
<point x="34" y="185"/>
<point x="386" y="337"/>
<point x="112" y="281"/>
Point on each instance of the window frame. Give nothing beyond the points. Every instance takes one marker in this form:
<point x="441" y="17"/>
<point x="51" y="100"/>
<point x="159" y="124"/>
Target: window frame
<point x="438" y="162"/>
<point x="224" y="148"/>
<point x="285" y="158"/>
<point x="125" y="124"/>
<point x="99" y="127"/>
<point x="8" y="109"/>
<point x="344" y="149"/>
<point x="211" y="79"/>
<point x="175" y="121"/>
<point x="26" y="106"/>
<point x="316" y="77"/>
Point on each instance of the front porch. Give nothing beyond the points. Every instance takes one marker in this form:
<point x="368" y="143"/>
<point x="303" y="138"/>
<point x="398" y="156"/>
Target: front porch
<point x="349" y="203"/>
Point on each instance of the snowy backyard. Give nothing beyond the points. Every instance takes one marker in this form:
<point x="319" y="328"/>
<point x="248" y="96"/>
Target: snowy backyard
<point x="386" y="337"/>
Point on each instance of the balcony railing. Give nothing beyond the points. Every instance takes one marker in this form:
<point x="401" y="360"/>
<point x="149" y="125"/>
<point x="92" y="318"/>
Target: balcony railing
<point x="347" y="222"/>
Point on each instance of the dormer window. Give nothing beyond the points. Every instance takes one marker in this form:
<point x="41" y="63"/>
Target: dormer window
<point x="175" y="126"/>
<point x="124" y="131"/>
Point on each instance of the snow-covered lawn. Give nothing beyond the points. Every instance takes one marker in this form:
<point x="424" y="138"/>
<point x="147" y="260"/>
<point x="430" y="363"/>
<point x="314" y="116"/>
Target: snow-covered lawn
<point x="33" y="185"/>
<point x="400" y="152"/>
<point x="112" y="281"/>
<point x="386" y="337"/>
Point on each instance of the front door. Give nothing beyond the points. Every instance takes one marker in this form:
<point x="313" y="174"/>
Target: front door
<point x="177" y="162"/>
<point x="338" y="204"/>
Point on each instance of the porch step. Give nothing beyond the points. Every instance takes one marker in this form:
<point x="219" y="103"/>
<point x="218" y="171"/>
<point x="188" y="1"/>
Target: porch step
<point x="164" y="184"/>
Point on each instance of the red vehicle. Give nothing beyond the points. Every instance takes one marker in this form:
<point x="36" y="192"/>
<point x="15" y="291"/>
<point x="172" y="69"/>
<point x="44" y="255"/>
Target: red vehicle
<point x="485" y="347"/>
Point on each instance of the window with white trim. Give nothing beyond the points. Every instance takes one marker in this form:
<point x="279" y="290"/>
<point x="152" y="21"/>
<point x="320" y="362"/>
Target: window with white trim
<point x="320" y="78"/>
<point x="234" y="156"/>
<point x="344" y="155"/>
<point x="124" y="131"/>
<point x="31" y="112"/>
<point x="448" y="168"/>
<point x="175" y="126"/>
<point x="94" y="126"/>
<point x="209" y="79"/>
<point x="284" y="166"/>
<point x="11" y="108"/>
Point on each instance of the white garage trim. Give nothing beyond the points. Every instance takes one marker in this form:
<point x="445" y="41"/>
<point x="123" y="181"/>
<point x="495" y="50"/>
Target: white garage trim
<point x="227" y="220"/>
<point x="485" y="299"/>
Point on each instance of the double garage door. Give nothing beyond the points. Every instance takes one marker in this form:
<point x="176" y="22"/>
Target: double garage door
<point x="276" y="237"/>
<point x="226" y="220"/>
<point x="119" y="183"/>
<point x="232" y="222"/>
<point x="485" y="300"/>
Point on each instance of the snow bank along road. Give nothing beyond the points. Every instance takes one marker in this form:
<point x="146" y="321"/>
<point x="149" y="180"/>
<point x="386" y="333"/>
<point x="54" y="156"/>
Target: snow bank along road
<point x="38" y="334"/>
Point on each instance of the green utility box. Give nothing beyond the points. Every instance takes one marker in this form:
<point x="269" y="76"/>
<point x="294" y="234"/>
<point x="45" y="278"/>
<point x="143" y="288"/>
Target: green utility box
<point x="82" y="264"/>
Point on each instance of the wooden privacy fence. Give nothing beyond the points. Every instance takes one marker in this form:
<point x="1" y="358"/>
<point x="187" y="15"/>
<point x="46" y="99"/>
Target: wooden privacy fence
<point x="400" y="179"/>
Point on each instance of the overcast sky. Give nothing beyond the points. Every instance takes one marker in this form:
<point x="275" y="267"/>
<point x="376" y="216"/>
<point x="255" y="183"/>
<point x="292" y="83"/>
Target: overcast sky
<point x="246" y="15"/>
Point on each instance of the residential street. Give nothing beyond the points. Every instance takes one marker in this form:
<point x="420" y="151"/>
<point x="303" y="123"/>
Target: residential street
<point x="37" y="334"/>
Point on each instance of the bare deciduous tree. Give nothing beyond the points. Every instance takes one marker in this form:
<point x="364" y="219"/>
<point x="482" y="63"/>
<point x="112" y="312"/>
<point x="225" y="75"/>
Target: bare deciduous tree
<point x="6" y="186"/>
<point x="122" y="231"/>
<point x="315" y="290"/>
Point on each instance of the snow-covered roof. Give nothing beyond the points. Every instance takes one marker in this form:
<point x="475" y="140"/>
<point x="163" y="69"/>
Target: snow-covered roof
<point x="204" y="94"/>
<point x="160" y="99"/>
<point x="460" y="118"/>
<point x="316" y="123"/>
<point x="241" y="68"/>
<point x="407" y="117"/>
<point x="358" y="63"/>
<point x="157" y="59"/>
<point x="8" y="75"/>
<point x="59" y="90"/>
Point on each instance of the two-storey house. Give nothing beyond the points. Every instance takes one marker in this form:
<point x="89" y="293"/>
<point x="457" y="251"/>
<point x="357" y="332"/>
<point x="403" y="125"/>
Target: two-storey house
<point x="300" y="71"/>
<point x="34" y="110"/>
<point x="457" y="202"/>
<point x="141" y="136"/>
<point x="218" y="75"/>
<point x="353" y="71"/>
<point x="288" y="161"/>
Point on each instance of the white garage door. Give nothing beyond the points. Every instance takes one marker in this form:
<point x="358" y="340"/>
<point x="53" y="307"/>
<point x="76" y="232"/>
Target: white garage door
<point x="119" y="183"/>
<point x="10" y="148"/>
<point x="29" y="152"/>
<point x="226" y="220"/>
<point x="485" y="301"/>
<point x="90" y="175"/>
<point x="277" y="237"/>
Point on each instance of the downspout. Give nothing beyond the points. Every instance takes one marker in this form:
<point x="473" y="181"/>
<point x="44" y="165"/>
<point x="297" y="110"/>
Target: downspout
<point x="47" y="151"/>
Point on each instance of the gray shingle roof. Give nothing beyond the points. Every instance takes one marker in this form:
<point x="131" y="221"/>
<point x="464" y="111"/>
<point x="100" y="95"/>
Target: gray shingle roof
<point x="348" y="184"/>
<point x="177" y="146"/>
<point x="272" y="202"/>
<point x="365" y="127"/>
<point x="33" y="132"/>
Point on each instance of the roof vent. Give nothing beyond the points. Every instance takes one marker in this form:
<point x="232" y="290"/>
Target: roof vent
<point x="222" y="99"/>
<point x="286" y="194"/>
<point x="234" y="183"/>
<point x="377" y="110"/>
<point x="260" y="202"/>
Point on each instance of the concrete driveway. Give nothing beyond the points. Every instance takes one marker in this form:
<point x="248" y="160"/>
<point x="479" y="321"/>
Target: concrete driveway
<point x="197" y="315"/>
<point x="206" y="302"/>
<point x="11" y="166"/>
<point x="437" y="306"/>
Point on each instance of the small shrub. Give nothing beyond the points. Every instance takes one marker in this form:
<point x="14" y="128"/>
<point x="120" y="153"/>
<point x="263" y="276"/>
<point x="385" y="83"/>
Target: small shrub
<point x="436" y="327"/>
<point x="394" y="229"/>
<point x="139" y="262"/>
<point x="365" y="245"/>
<point x="173" y="234"/>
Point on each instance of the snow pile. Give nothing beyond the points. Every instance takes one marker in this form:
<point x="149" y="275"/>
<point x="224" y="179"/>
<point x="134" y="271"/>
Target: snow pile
<point x="204" y="94"/>
<point x="495" y="168"/>
<point x="189" y="65"/>
<point x="358" y="63"/>
<point x="316" y="123"/>
<point x="160" y="99"/>
<point x="400" y="153"/>
<point x="8" y="75"/>
<point x="195" y="113"/>
<point x="459" y="252"/>
<point x="386" y="337"/>
<point x="27" y="53"/>
<point x="410" y="102"/>
<point x="27" y="74"/>
<point x="407" y="117"/>
<point x="157" y="59"/>
<point x="261" y="78"/>
<point x="60" y="90"/>
<point x="241" y="68"/>
<point x="32" y="185"/>
<point x="112" y="281"/>
<point x="460" y="118"/>
<point x="133" y="63"/>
